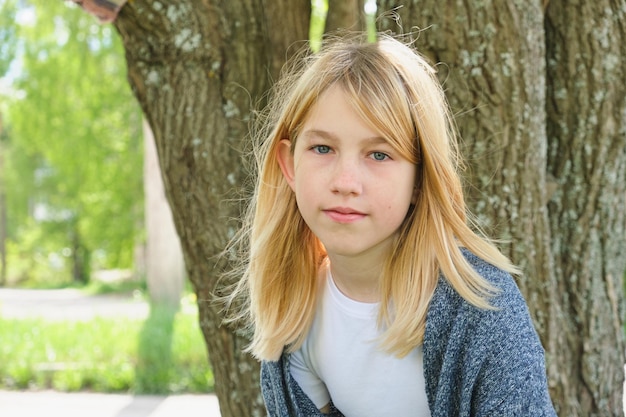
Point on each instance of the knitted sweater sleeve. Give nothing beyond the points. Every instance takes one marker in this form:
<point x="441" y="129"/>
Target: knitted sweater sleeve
<point x="484" y="362"/>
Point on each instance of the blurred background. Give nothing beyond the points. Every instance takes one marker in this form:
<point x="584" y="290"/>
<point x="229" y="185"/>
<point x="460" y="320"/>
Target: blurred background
<point x="81" y="207"/>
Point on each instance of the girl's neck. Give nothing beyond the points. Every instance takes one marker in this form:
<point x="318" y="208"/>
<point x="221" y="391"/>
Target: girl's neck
<point x="358" y="279"/>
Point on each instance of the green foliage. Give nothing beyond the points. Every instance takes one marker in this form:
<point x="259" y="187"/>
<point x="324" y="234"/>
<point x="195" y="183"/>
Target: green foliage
<point x="75" y="141"/>
<point x="123" y="286"/>
<point x="8" y="40"/>
<point x="319" y="9"/>
<point x="35" y="261"/>
<point x="155" y="351"/>
<point x="164" y="354"/>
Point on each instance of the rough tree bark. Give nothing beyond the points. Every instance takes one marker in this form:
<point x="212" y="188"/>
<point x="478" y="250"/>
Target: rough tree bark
<point x="197" y="69"/>
<point x="550" y="182"/>
<point x="345" y="14"/>
<point x="586" y="109"/>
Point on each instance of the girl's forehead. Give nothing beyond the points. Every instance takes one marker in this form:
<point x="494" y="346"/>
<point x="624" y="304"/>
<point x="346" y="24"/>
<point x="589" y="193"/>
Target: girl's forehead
<point x="337" y="105"/>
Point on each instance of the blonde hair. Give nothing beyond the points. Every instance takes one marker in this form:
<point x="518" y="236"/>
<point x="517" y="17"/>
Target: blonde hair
<point x="395" y="89"/>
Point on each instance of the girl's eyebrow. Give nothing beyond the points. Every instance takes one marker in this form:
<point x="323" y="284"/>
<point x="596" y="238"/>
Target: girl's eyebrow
<point x="318" y="133"/>
<point x="313" y="133"/>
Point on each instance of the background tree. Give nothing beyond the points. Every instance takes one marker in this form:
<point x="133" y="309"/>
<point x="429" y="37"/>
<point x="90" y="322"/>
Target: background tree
<point x="164" y="264"/>
<point x="8" y="40"/>
<point x="3" y="209"/>
<point x="346" y="14"/>
<point x="75" y="167"/>
<point x="541" y="105"/>
<point x="8" y="45"/>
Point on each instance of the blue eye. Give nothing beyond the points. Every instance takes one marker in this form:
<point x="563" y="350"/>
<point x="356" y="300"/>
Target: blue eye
<point x="379" y="156"/>
<point x="321" y="149"/>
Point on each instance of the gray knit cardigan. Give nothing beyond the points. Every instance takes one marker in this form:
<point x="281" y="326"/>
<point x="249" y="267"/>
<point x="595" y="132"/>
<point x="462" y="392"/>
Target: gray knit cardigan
<point x="476" y="362"/>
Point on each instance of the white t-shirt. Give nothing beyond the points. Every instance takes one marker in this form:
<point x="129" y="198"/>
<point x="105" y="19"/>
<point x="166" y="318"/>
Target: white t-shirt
<point x="341" y="359"/>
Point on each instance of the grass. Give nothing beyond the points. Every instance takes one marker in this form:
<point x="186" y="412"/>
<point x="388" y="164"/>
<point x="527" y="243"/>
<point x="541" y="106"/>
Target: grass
<point x="162" y="354"/>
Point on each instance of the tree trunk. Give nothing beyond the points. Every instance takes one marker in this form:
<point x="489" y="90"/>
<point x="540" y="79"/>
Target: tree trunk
<point x="197" y="68"/>
<point x="165" y="267"/>
<point x="345" y="14"/>
<point x="3" y="209"/>
<point x="586" y="109"/>
<point x="3" y="238"/>
<point x="81" y="256"/>
<point x="530" y="183"/>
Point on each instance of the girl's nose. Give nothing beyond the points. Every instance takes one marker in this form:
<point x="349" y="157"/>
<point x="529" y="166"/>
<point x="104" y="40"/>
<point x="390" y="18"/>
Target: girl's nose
<point x="346" y="178"/>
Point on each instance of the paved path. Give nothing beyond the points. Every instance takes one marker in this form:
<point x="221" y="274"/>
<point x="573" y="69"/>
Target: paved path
<point x="53" y="404"/>
<point x="68" y="304"/>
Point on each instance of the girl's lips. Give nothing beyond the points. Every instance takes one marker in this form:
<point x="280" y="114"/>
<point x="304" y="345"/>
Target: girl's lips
<point x="344" y="215"/>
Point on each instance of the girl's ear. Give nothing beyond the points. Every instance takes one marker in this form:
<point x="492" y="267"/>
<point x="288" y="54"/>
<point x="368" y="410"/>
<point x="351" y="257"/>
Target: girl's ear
<point x="286" y="162"/>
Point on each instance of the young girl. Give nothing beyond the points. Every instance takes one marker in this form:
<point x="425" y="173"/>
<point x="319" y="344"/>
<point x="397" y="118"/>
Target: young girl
<point x="369" y="294"/>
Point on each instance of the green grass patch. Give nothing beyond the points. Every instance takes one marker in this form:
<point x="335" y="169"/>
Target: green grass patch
<point x="163" y="354"/>
<point x="95" y="287"/>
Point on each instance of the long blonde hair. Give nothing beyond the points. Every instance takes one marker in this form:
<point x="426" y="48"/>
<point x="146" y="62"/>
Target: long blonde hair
<point x="395" y="89"/>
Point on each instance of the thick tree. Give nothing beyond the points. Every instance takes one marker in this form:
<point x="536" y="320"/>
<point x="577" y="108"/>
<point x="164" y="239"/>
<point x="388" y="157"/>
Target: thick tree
<point x="540" y="103"/>
<point x="198" y="68"/>
<point x="586" y="128"/>
<point x="541" y="106"/>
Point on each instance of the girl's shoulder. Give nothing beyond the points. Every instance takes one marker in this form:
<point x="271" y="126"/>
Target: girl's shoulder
<point x="496" y="348"/>
<point x="449" y="313"/>
<point x="507" y="291"/>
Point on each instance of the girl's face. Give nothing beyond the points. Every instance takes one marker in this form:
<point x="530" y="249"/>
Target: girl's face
<point x="352" y="188"/>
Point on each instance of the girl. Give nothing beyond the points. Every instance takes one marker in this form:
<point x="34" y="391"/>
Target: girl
<point x="369" y="294"/>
